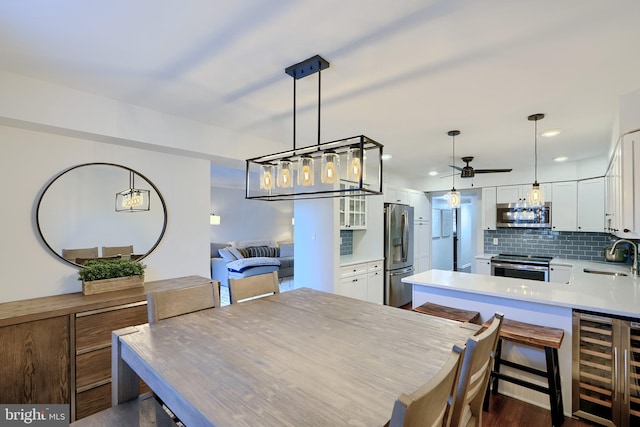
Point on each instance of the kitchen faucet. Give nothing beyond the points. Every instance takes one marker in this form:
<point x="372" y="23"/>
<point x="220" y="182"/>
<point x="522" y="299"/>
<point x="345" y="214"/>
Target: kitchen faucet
<point x="634" y="255"/>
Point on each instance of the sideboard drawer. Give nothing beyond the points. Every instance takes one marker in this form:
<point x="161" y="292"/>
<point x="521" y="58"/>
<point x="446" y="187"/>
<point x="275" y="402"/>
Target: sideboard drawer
<point x="93" y="368"/>
<point x="93" y="328"/>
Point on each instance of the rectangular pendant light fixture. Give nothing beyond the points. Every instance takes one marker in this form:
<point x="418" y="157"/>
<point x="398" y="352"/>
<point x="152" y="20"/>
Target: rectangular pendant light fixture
<point x="132" y="199"/>
<point x="320" y="169"/>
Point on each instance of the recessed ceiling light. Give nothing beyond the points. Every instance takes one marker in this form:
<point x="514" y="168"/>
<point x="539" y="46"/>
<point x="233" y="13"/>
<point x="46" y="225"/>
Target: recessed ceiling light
<point x="551" y="132"/>
<point x="433" y="173"/>
<point x="561" y="159"/>
<point x="386" y="156"/>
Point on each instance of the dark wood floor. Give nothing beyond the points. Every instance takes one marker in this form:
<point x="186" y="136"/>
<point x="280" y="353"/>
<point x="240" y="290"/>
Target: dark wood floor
<point x="508" y="412"/>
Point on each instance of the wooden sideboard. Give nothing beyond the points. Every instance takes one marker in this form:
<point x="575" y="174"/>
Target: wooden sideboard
<point x="57" y="349"/>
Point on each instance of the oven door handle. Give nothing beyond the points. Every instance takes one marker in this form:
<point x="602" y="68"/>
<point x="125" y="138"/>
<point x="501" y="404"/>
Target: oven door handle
<point x="519" y="266"/>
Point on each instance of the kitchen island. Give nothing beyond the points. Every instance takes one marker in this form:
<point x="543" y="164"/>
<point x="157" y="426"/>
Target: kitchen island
<point x="541" y="303"/>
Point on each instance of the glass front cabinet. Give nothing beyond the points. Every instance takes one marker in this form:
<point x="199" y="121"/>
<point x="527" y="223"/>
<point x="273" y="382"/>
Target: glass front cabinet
<point x="353" y="210"/>
<point x="606" y="369"/>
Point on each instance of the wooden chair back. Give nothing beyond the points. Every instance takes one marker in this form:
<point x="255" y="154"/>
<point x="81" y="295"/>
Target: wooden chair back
<point x="475" y="374"/>
<point x="117" y="250"/>
<point x="430" y="405"/>
<point x="72" y="254"/>
<point x="253" y="286"/>
<point x="163" y="304"/>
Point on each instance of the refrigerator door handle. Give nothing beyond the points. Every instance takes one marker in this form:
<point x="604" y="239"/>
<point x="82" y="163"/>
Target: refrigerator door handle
<point x="405" y="236"/>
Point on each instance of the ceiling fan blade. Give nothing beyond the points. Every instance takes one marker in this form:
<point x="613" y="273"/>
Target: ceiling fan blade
<point x="491" y="170"/>
<point x="456" y="167"/>
<point x="450" y="175"/>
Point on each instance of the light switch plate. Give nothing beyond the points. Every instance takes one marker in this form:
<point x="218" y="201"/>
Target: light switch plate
<point x="495" y="240"/>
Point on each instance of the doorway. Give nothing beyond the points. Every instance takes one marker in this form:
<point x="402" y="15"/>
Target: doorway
<point x="454" y="233"/>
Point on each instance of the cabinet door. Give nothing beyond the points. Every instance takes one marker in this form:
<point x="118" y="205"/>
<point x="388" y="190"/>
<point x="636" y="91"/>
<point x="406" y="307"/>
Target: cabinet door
<point x="564" y="206"/>
<point x="591" y="204"/>
<point x="375" y="286"/>
<point x="489" y="208"/>
<point x="483" y="266"/>
<point x="629" y="203"/>
<point x="35" y="364"/>
<point x="612" y="194"/>
<point x="560" y="273"/>
<point x="421" y="205"/>
<point x="508" y="194"/>
<point x="631" y="356"/>
<point x="594" y="368"/>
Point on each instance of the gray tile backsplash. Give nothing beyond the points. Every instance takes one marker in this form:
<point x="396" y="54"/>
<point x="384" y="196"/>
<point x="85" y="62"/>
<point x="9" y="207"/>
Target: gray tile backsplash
<point x="346" y="242"/>
<point x="561" y="244"/>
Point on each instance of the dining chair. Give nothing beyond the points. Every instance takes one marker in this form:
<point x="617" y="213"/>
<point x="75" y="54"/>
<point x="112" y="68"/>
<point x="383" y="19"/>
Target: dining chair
<point x="253" y="286"/>
<point x="165" y="303"/>
<point x="474" y="375"/>
<point x="117" y="250"/>
<point x="430" y="405"/>
<point x="72" y="254"/>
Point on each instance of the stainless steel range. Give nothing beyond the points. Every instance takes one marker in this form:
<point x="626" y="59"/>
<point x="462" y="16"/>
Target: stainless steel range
<point x="531" y="267"/>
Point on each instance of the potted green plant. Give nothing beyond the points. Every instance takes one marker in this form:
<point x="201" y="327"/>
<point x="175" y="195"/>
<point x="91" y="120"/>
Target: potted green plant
<point x="111" y="275"/>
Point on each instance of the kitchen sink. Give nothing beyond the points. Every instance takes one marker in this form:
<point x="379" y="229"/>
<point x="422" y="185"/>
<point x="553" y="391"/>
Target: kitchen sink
<point x="606" y="273"/>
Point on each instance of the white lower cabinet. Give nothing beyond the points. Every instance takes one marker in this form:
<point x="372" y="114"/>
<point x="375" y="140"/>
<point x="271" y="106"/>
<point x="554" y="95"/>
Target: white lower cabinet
<point x="559" y="273"/>
<point x="483" y="265"/>
<point x="363" y="281"/>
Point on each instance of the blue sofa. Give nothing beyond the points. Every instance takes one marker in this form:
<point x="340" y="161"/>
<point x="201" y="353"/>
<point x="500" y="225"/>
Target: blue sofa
<point x="250" y="257"/>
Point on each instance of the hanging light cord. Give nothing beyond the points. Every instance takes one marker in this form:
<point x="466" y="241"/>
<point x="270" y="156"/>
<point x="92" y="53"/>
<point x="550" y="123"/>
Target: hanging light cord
<point x="535" y="169"/>
<point x="453" y="154"/>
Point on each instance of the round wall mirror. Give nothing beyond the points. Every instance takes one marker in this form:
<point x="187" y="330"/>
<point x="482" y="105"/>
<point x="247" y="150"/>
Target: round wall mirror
<point x="101" y="210"/>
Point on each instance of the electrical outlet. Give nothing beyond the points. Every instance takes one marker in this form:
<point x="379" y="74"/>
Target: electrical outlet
<point x="495" y="240"/>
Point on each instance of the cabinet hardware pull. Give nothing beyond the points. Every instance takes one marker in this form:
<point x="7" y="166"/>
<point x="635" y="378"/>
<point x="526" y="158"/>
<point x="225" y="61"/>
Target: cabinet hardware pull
<point x="615" y="373"/>
<point x="626" y="375"/>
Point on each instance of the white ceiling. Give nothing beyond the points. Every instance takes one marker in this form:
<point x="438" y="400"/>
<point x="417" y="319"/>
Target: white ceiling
<point x="403" y="73"/>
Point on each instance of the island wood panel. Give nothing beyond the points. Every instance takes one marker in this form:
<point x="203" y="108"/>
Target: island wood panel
<point x="35" y="362"/>
<point x="297" y="358"/>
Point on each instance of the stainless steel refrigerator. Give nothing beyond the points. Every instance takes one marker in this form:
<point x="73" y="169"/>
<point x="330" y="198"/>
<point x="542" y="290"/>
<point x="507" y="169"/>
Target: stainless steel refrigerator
<point x="398" y="253"/>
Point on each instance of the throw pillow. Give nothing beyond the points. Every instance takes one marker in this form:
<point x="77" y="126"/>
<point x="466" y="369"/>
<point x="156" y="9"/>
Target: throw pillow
<point x="226" y="254"/>
<point x="260" y="251"/>
<point x="235" y="252"/>
<point x="286" y="249"/>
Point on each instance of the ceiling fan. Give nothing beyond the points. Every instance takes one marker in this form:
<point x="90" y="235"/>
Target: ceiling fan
<point x="469" y="172"/>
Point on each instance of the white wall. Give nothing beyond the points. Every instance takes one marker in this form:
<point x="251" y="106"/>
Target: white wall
<point x="317" y="244"/>
<point x="31" y="159"/>
<point x="242" y="219"/>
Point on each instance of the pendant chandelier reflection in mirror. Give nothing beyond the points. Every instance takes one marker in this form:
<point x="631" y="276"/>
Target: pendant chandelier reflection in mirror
<point x="132" y="199"/>
<point x="346" y="167"/>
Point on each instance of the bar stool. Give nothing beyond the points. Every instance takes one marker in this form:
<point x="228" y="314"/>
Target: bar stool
<point x="546" y="338"/>
<point x="450" y="313"/>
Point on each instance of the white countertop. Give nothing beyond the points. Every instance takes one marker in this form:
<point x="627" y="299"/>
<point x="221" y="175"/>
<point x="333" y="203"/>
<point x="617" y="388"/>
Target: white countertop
<point x="617" y="295"/>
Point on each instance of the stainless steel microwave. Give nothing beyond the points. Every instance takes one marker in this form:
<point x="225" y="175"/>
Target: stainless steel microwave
<point x="523" y="215"/>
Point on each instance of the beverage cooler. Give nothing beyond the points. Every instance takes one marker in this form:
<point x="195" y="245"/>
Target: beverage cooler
<point x="606" y="369"/>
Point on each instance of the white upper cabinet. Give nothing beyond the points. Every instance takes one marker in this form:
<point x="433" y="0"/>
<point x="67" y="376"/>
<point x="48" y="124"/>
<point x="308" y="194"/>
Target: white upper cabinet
<point x="519" y="193"/>
<point x="489" y="208"/>
<point x="353" y="210"/>
<point x="509" y="194"/>
<point x="629" y="196"/>
<point x="421" y="205"/>
<point x="613" y="191"/>
<point x="564" y="206"/>
<point x="591" y="200"/>
<point x="395" y="195"/>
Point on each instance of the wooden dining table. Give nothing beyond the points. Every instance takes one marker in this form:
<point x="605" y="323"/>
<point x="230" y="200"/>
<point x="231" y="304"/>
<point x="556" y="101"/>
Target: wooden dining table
<point x="298" y="358"/>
